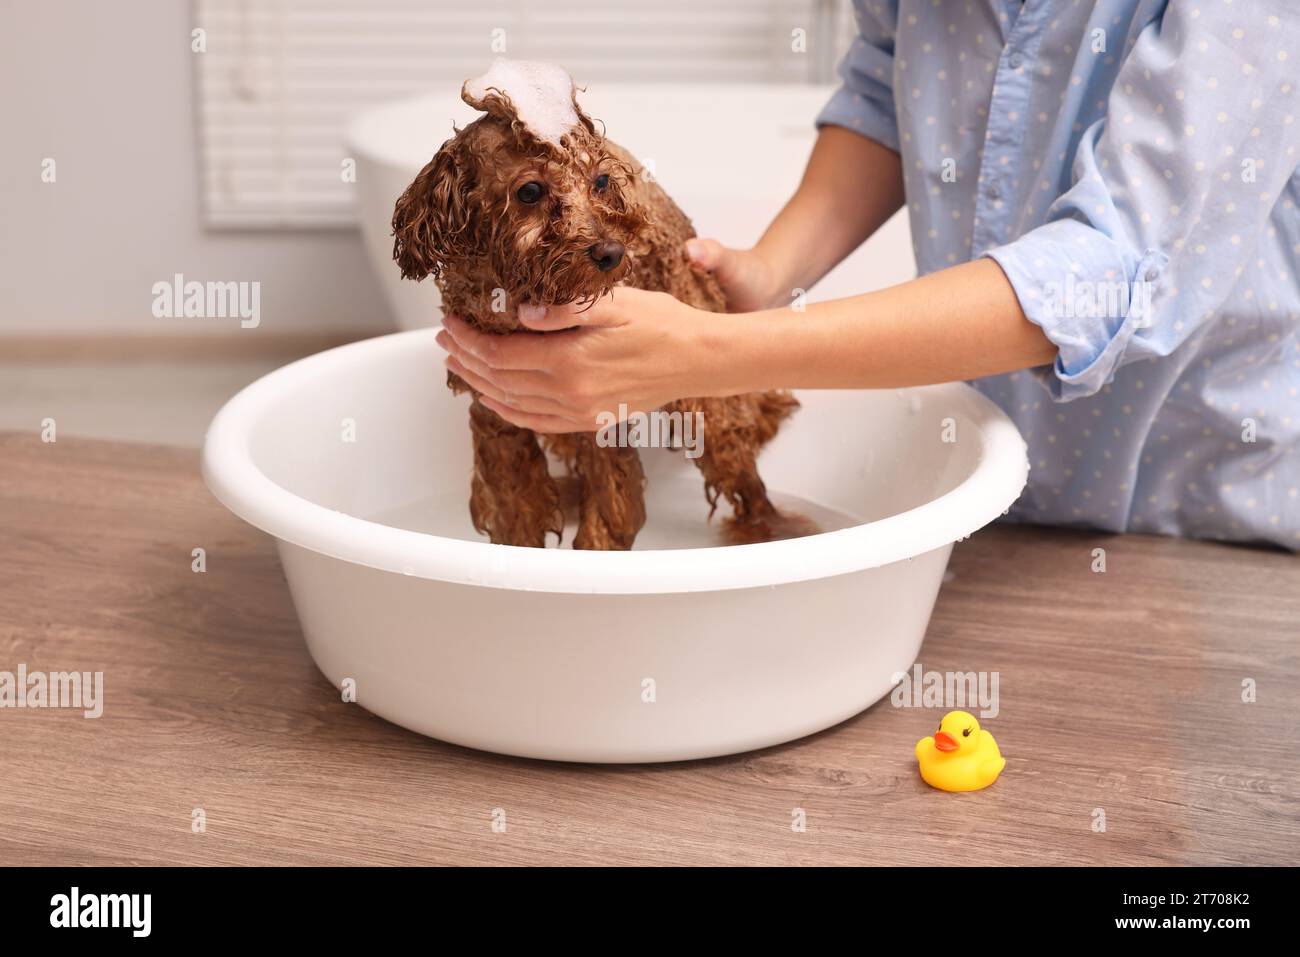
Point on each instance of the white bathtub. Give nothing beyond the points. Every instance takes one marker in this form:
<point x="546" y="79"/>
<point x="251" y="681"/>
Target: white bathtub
<point x="729" y="155"/>
<point x="657" y="654"/>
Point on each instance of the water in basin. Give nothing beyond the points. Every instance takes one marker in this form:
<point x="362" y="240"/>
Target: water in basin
<point x="676" y="515"/>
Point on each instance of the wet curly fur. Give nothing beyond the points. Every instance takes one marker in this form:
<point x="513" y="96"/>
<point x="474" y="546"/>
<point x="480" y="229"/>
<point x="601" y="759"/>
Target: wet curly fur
<point x="462" y="223"/>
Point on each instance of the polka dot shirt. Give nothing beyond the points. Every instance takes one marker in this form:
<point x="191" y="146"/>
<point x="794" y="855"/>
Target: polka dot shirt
<point x="1132" y="167"/>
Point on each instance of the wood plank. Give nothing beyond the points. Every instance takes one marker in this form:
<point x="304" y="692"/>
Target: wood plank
<point x="1119" y="691"/>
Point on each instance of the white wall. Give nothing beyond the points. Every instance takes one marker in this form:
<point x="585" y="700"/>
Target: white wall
<point x="105" y="89"/>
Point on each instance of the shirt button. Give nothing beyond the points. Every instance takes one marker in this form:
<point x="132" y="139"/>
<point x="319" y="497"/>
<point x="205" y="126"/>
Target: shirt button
<point x="1152" y="275"/>
<point x="1017" y="61"/>
<point x="993" y="193"/>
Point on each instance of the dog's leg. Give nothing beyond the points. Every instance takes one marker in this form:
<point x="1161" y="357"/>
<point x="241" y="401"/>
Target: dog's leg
<point x="728" y="454"/>
<point x="513" y="499"/>
<point x="735" y="429"/>
<point x="612" y="502"/>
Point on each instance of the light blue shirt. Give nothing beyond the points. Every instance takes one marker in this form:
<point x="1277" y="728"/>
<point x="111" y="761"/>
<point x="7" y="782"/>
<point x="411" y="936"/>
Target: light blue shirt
<point x="1131" y="166"/>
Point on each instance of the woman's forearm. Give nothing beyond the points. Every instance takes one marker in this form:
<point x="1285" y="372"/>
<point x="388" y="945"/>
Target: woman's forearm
<point x="959" y="323"/>
<point x="637" y="350"/>
<point x="850" y="187"/>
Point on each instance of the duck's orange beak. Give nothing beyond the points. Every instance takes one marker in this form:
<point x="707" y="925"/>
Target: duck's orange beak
<point x="945" y="741"/>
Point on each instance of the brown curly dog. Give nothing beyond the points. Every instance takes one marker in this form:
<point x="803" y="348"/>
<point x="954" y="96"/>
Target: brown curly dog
<point x="505" y="214"/>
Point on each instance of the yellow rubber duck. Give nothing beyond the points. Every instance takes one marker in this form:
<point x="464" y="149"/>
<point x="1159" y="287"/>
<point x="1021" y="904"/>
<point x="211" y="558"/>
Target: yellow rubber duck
<point x="960" y="756"/>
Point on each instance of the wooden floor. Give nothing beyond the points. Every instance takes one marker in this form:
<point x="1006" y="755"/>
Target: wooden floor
<point x="1120" y="694"/>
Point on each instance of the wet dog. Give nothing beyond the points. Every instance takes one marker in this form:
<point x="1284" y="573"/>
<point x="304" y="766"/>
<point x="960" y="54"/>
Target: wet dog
<point x="531" y="204"/>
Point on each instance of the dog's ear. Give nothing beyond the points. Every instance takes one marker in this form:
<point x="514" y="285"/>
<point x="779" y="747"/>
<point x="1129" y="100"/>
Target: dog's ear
<point x="432" y="222"/>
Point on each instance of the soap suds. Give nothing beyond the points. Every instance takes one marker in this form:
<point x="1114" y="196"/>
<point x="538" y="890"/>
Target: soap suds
<point x="541" y="92"/>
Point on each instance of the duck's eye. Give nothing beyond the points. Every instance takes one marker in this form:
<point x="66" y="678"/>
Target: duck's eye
<point x="529" y="193"/>
<point x="966" y="733"/>
<point x="602" y="182"/>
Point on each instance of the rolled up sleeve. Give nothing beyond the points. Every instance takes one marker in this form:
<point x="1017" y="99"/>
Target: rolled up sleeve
<point x="864" y="103"/>
<point x="1170" y="191"/>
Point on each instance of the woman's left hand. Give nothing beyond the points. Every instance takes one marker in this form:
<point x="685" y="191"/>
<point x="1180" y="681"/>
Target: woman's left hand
<point x="632" y="348"/>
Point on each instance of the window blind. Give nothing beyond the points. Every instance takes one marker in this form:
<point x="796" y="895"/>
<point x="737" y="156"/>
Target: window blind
<point x="277" y="80"/>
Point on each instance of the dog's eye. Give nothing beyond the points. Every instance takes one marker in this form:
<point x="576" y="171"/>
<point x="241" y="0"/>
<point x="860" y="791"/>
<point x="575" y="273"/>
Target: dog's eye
<point x="529" y="193"/>
<point x="602" y="182"/>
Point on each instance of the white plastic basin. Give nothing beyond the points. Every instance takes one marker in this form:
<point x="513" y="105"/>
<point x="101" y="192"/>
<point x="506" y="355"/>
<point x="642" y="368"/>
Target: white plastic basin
<point x="656" y="654"/>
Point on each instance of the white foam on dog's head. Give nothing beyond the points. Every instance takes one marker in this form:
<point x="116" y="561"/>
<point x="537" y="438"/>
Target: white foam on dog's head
<point x="541" y="92"/>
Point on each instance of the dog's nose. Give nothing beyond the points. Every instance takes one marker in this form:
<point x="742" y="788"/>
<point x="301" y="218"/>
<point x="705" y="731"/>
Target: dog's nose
<point x="606" y="255"/>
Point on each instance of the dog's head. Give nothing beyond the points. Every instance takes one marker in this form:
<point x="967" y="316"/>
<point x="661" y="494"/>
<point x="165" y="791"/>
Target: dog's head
<point x="528" y="198"/>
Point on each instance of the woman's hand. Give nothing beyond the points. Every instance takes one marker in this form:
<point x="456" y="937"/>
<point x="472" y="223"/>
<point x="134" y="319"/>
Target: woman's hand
<point x="632" y="348"/>
<point x="747" y="279"/>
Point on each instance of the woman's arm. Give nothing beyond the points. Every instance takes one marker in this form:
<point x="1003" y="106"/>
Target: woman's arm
<point x="850" y="187"/>
<point x="959" y="323"/>
<point x="643" y="349"/>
